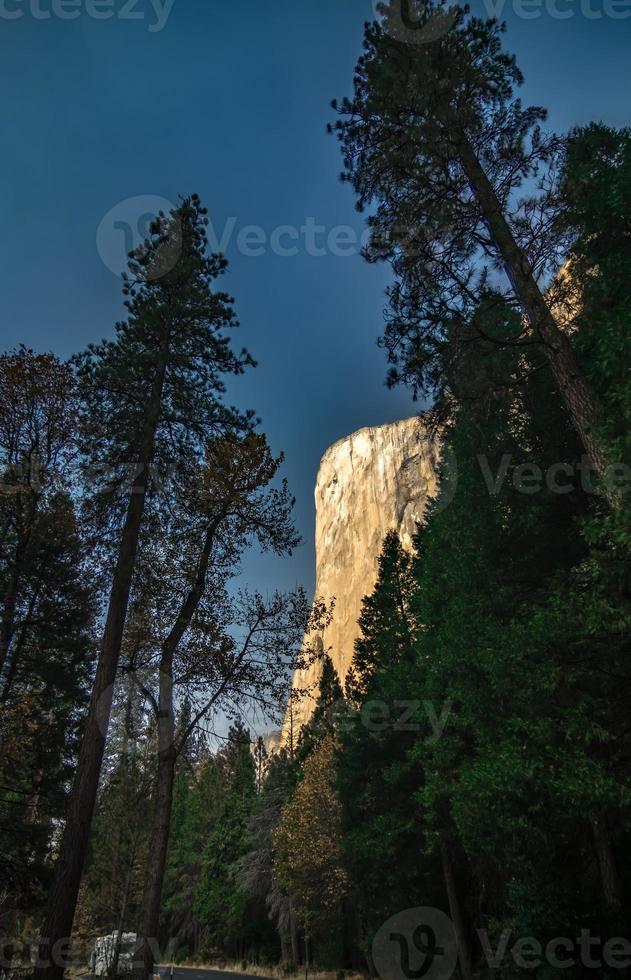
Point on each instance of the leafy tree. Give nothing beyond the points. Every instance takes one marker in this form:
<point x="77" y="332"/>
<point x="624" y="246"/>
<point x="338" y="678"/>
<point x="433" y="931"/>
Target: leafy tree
<point x="307" y="856"/>
<point x="246" y="659"/>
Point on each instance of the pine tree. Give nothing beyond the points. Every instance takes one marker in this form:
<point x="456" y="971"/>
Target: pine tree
<point x="43" y="694"/>
<point x="436" y="138"/>
<point x="196" y="800"/>
<point x="329" y="710"/>
<point x="503" y="627"/>
<point x="255" y="870"/>
<point x="111" y="886"/>
<point x="595" y="214"/>
<point x="153" y="396"/>
<point x="381" y="823"/>
<point x="38" y="429"/>
<point x="220" y="904"/>
<point x="387" y="620"/>
<point x="47" y="618"/>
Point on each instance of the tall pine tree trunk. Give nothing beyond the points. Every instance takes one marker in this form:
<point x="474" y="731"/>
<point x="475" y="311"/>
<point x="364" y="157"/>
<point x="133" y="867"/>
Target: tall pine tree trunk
<point x="607" y="866"/>
<point x="62" y="897"/>
<point x="113" y="971"/>
<point x="14" y="654"/>
<point x="7" y="621"/>
<point x="455" y="910"/>
<point x="293" y="932"/>
<point x="167" y="756"/>
<point x="575" y="390"/>
<point x="160" y="828"/>
<point x="9" y="602"/>
<point x="285" y="954"/>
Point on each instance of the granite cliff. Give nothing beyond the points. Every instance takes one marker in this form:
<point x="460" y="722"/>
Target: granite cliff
<point x="372" y="481"/>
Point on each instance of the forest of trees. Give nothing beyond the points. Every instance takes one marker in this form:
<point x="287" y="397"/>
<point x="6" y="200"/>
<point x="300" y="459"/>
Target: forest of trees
<point x="131" y="491"/>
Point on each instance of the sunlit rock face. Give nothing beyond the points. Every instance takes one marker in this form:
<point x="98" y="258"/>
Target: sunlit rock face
<point x="375" y="480"/>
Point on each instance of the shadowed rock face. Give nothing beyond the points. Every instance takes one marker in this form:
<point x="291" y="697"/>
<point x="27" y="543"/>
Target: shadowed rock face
<point x="373" y="481"/>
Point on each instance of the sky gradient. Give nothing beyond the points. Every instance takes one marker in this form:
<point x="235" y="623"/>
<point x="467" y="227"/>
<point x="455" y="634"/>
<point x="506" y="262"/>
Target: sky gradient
<point x="232" y="101"/>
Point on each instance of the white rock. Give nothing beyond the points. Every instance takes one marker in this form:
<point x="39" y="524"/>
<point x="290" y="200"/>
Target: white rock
<point x="103" y="954"/>
<point x="375" y="480"/>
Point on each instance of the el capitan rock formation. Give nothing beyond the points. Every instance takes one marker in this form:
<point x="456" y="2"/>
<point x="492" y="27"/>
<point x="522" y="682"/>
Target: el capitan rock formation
<point x="370" y="482"/>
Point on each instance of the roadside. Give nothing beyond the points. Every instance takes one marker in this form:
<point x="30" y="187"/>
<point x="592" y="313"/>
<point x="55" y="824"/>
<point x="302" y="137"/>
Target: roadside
<point x="249" y="971"/>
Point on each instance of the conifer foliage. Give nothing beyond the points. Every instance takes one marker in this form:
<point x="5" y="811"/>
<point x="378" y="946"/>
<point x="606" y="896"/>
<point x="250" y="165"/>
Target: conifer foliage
<point x="436" y="139"/>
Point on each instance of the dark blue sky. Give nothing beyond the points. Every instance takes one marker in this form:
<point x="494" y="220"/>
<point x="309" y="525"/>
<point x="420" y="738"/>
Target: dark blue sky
<point x="231" y="101"/>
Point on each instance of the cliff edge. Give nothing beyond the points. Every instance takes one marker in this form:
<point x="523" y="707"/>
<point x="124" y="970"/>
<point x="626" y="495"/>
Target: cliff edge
<point x="370" y="482"/>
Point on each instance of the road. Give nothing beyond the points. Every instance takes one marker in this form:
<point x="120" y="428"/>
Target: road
<point x="193" y="973"/>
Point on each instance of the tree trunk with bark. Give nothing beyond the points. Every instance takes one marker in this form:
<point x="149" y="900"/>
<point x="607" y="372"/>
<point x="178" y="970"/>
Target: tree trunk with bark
<point x="62" y="898"/>
<point x="455" y="911"/>
<point x="9" y="603"/>
<point x="167" y="757"/>
<point x="574" y="387"/>
<point x="113" y="971"/>
<point x="293" y="931"/>
<point x="160" y="829"/>
<point x="607" y="866"/>
<point x="15" y="649"/>
<point x="7" y="624"/>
